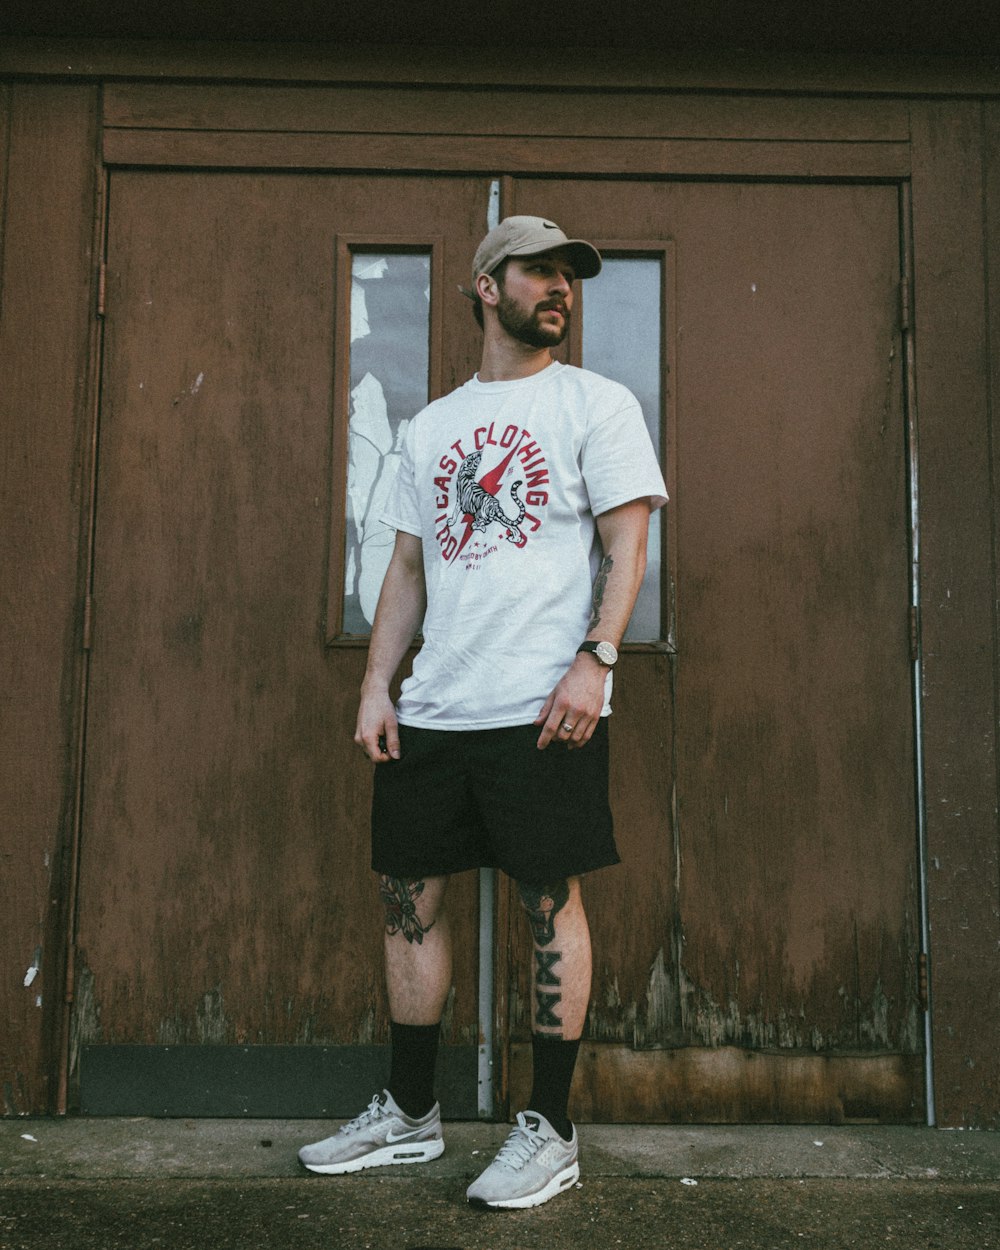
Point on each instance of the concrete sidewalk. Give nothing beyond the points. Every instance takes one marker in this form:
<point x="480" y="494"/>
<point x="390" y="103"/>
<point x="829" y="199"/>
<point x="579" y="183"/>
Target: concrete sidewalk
<point x="106" y="1149"/>
<point x="95" y="1184"/>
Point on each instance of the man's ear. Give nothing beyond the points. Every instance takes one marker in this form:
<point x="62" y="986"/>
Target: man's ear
<point x="487" y="289"/>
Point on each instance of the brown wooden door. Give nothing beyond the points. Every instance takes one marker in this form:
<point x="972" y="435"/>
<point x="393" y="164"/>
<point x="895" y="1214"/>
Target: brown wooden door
<point x="225" y="892"/>
<point x="756" y="955"/>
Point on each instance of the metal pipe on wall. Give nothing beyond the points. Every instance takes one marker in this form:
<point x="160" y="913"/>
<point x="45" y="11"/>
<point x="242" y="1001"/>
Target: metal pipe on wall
<point x="487" y="881"/>
<point x="913" y="495"/>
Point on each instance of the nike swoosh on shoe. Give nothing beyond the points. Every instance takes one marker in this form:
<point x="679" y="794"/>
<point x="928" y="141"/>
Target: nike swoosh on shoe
<point x="391" y="1139"/>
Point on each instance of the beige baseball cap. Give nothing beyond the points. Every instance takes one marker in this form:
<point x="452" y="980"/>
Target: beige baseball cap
<point x="530" y="236"/>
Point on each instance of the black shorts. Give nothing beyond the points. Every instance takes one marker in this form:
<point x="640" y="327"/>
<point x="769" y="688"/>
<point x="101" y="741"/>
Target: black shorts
<point x="488" y="798"/>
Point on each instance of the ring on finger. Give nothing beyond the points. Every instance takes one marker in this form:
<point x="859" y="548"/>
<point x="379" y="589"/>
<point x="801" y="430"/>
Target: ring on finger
<point x="567" y="727"/>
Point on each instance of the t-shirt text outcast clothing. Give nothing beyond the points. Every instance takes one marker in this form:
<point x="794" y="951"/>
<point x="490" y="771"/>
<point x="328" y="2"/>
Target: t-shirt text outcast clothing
<point x="502" y="482"/>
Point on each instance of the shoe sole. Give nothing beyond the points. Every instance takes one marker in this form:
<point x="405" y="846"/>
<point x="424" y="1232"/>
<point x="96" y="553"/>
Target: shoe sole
<point x="559" y="1183"/>
<point x="412" y="1152"/>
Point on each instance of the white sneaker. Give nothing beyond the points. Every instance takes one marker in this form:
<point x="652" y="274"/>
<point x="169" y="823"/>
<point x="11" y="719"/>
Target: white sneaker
<point x="533" y="1165"/>
<point x="379" y="1136"/>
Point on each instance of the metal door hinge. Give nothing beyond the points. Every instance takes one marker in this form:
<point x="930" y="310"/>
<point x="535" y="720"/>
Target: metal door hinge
<point x="914" y="633"/>
<point x="88" y="622"/>
<point x="102" y="278"/>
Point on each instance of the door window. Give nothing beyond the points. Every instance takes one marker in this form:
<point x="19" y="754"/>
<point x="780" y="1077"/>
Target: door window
<point x="389" y="380"/>
<point x="623" y="338"/>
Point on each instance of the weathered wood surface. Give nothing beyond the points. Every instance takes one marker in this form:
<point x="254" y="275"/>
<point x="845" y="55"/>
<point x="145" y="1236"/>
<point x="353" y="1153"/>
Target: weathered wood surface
<point x="682" y="157"/>
<point x="956" y="220"/>
<point x="47" y="170"/>
<point x="616" y="1084"/>
<point x="425" y="110"/>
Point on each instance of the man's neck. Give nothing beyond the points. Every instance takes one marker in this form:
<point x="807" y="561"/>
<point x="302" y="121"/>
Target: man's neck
<point x="505" y="359"/>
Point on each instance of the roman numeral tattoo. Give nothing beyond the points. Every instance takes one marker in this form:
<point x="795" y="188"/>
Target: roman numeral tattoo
<point x="545" y="1017"/>
<point x="543" y="903"/>
<point x="400" y="900"/>
<point x="546" y="1002"/>
<point x="545" y="961"/>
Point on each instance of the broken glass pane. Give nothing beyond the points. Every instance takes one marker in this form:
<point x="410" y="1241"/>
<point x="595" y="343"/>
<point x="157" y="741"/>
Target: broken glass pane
<point x="621" y="340"/>
<point x="390" y="360"/>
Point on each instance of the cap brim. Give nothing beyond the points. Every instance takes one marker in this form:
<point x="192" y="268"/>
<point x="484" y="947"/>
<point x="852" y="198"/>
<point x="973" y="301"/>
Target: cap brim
<point x="584" y="257"/>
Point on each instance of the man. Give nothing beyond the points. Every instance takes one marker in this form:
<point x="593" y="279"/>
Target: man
<point x="521" y="511"/>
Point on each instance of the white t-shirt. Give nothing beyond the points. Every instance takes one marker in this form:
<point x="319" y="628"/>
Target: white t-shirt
<point x="502" y="482"/>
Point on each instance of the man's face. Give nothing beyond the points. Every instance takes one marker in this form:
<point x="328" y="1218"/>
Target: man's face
<point x="536" y="299"/>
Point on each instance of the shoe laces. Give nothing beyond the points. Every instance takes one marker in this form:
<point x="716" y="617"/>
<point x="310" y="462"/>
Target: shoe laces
<point x="374" y="1111"/>
<point x="521" y="1146"/>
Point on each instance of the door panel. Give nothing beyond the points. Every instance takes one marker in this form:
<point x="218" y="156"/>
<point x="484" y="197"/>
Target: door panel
<point x="225" y="891"/>
<point x="775" y="749"/>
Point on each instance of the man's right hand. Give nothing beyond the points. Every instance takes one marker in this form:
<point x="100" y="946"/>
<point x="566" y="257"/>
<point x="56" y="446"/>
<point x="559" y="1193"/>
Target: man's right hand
<point x="377" y="731"/>
<point x="400" y="610"/>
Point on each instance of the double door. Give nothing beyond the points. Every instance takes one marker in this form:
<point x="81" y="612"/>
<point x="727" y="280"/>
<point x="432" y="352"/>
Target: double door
<point x="267" y="337"/>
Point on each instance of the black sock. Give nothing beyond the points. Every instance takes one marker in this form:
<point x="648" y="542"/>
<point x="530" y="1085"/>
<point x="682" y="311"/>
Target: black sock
<point x="414" y="1057"/>
<point x="554" y="1061"/>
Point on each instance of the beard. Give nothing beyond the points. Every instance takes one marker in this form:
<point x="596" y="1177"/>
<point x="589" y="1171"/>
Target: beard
<point x="526" y="326"/>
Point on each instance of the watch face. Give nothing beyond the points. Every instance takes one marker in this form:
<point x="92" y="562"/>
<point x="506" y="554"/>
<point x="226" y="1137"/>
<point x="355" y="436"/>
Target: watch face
<point x="606" y="653"/>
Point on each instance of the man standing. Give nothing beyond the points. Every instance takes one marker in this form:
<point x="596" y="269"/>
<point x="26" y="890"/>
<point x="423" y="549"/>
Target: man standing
<point x="521" y="511"/>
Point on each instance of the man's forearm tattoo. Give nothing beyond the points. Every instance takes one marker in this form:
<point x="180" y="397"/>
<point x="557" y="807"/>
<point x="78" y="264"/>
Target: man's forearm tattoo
<point x="400" y="899"/>
<point x="600" y="582"/>
<point x="548" y="999"/>
<point x="543" y="903"/>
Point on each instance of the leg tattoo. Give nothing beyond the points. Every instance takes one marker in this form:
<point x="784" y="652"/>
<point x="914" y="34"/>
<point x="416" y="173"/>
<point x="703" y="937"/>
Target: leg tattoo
<point x="545" y="961"/>
<point x="400" y="900"/>
<point x="543" y="903"/>
<point x="547" y="1001"/>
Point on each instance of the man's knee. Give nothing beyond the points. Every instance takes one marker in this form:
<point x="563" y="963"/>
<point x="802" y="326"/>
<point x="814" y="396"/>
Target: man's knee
<point x="410" y="909"/>
<point x="543" y="901"/>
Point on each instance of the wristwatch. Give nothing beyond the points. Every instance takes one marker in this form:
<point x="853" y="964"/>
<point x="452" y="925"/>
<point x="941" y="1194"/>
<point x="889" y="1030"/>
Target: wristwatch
<point x="604" y="652"/>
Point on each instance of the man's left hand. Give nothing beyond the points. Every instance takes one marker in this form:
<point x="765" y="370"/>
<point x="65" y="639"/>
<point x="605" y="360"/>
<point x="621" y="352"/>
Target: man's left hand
<point x="571" y="712"/>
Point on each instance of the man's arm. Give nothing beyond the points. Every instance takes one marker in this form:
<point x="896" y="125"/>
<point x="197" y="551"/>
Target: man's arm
<point x="400" y="610"/>
<point x="579" y="697"/>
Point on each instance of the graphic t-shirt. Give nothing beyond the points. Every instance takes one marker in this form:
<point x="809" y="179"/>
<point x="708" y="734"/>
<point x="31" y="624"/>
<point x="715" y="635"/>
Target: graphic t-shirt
<point x="502" y="481"/>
